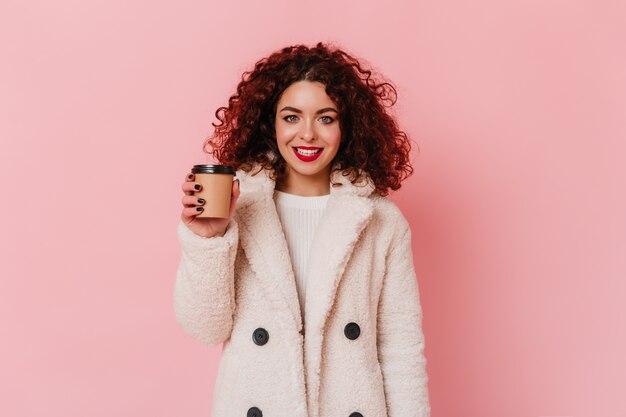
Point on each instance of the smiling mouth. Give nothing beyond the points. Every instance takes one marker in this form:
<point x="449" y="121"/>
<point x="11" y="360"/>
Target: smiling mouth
<point x="307" y="151"/>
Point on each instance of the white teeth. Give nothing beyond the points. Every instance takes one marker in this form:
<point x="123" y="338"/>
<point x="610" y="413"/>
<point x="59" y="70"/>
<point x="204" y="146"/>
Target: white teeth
<point x="306" y="152"/>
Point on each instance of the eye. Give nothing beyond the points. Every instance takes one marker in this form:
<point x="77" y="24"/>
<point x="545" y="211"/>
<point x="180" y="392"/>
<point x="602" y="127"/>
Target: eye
<point x="330" y="119"/>
<point x="287" y="117"/>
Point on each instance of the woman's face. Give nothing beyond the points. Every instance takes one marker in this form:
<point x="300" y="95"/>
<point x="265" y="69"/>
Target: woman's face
<point x="307" y="129"/>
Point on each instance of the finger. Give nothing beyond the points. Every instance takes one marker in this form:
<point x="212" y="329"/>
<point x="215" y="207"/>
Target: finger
<point x="191" y="212"/>
<point x="190" y="177"/>
<point x="235" y="191"/>
<point x="235" y="196"/>
<point x="191" y="201"/>
<point x="189" y="187"/>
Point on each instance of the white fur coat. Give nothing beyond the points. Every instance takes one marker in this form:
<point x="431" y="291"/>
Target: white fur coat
<point x="360" y="352"/>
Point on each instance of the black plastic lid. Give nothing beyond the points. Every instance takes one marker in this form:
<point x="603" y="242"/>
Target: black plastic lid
<point x="213" y="169"/>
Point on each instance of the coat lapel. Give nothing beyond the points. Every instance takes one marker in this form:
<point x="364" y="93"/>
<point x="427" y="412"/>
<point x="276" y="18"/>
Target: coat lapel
<point x="347" y="213"/>
<point x="262" y="238"/>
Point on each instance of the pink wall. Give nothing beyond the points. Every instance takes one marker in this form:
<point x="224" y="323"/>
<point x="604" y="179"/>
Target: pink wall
<point x="517" y="203"/>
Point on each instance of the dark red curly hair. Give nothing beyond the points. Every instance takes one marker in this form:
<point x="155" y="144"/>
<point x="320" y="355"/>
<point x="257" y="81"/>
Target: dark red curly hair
<point x="371" y="142"/>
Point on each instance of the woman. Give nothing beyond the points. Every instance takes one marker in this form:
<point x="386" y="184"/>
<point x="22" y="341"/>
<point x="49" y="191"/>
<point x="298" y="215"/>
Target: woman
<point x="310" y="283"/>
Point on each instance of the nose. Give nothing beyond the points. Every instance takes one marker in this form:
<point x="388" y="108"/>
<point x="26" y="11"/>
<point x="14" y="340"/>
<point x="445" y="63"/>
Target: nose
<point x="307" y="132"/>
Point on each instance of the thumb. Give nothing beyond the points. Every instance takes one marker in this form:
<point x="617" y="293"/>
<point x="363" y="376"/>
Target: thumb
<point x="235" y="195"/>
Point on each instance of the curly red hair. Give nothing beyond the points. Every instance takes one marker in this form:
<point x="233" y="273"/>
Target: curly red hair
<point x="371" y="142"/>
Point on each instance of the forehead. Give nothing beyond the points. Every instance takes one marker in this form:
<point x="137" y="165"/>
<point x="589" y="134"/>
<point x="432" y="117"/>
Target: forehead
<point x="305" y="93"/>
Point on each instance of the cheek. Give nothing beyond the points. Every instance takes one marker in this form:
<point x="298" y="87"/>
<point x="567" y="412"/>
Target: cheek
<point x="335" y="138"/>
<point x="283" y="133"/>
<point x="280" y="136"/>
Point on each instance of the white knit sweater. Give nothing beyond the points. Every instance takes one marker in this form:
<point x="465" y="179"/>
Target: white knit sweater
<point x="299" y="216"/>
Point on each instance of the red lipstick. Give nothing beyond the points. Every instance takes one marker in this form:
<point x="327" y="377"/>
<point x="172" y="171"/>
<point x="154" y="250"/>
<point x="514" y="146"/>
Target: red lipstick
<point x="308" y="158"/>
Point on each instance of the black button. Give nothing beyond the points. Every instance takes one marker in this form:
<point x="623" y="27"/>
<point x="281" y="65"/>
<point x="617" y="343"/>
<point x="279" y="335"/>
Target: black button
<point x="356" y="414"/>
<point x="352" y="330"/>
<point x="260" y="336"/>
<point x="255" y="412"/>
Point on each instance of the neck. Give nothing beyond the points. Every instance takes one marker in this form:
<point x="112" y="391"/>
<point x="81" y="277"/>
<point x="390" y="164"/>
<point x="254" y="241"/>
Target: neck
<point x="305" y="185"/>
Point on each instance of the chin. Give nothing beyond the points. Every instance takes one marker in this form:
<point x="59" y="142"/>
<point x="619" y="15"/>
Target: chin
<point x="311" y="171"/>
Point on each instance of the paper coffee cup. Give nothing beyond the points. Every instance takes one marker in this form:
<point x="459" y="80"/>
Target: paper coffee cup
<point x="217" y="183"/>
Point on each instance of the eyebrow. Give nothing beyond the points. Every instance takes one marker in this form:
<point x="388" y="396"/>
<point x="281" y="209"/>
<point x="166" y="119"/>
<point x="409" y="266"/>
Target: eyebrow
<point x="324" y="110"/>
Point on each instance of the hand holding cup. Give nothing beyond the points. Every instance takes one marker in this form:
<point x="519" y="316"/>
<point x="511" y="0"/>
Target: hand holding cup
<point x="209" y="200"/>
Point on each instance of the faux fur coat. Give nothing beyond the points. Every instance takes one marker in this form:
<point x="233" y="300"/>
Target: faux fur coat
<point x="359" y="352"/>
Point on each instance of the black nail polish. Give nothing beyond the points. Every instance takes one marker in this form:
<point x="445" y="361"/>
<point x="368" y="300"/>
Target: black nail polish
<point x="201" y="200"/>
<point x="197" y="186"/>
<point x="199" y="208"/>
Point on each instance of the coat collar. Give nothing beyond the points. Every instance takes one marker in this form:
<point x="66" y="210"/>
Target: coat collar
<point x="348" y="211"/>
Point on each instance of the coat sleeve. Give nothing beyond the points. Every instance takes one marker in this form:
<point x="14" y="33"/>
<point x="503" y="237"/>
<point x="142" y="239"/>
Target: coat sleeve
<point x="399" y="334"/>
<point x="204" y="294"/>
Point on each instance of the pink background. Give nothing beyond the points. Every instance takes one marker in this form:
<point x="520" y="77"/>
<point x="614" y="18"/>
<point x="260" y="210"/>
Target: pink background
<point x="517" y="203"/>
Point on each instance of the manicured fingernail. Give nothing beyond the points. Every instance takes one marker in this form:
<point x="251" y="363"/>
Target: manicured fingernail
<point x="197" y="186"/>
<point x="201" y="200"/>
<point x="199" y="208"/>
